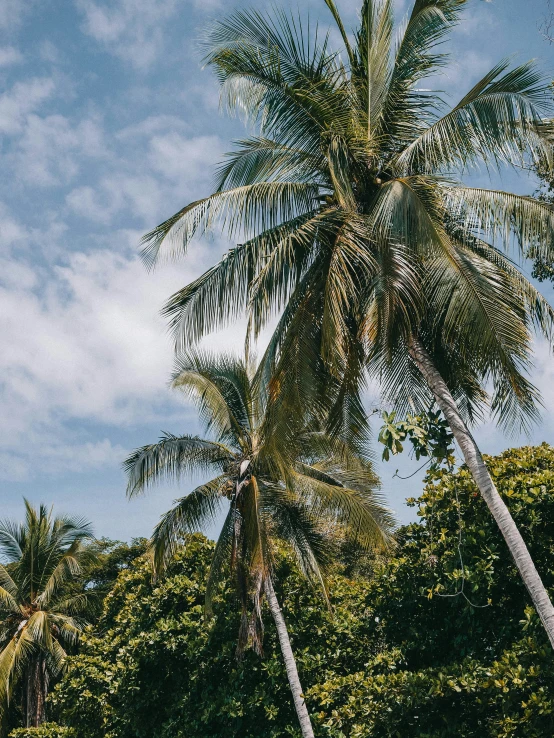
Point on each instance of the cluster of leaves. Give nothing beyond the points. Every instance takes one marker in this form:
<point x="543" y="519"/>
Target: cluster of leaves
<point x="509" y="697"/>
<point x="437" y="640"/>
<point x="160" y="670"/>
<point x="471" y="659"/>
<point x="109" y="558"/>
<point x="543" y="267"/>
<point x="429" y="434"/>
<point x="46" y="730"/>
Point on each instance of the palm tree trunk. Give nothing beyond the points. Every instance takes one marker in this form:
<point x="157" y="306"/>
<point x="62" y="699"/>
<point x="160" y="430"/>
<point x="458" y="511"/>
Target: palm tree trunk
<point x="36" y="689"/>
<point x="486" y="486"/>
<point x="290" y="663"/>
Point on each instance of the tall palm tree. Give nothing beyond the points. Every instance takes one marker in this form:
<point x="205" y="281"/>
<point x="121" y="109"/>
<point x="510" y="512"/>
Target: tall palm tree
<point x="281" y="479"/>
<point x="355" y="223"/>
<point x="40" y="609"/>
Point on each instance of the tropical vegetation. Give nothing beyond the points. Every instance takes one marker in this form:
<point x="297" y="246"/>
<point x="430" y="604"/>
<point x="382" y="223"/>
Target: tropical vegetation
<point x="358" y="230"/>
<point x="362" y="238"/>
<point x="281" y="478"/>
<point x="40" y="608"/>
<point x="436" y="639"/>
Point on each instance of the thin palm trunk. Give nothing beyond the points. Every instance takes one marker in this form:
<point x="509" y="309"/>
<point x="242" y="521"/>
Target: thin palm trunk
<point x="290" y="663"/>
<point x="482" y="478"/>
<point x="36" y="689"/>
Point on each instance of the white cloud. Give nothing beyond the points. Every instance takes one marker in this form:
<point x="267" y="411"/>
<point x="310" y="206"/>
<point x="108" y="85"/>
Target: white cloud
<point x="86" y="202"/>
<point x="49" y="52"/>
<point x="135" y="30"/>
<point x="463" y="72"/>
<point x="9" y="55"/>
<point x="89" y="345"/>
<point x="149" y="126"/>
<point x="84" y="342"/>
<point x="131" y="29"/>
<point x="17" y="275"/>
<point x="45" y="150"/>
<point x="23" y="98"/>
<point x="55" y="457"/>
<point x="11" y="231"/>
<point x="140" y="195"/>
<point x="184" y="159"/>
<point x="157" y="168"/>
<point x="50" y="148"/>
<point x="95" y="342"/>
<point x="11" y="13"/>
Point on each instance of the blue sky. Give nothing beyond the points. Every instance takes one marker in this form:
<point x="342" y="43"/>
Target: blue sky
<point x="107" y="126"/>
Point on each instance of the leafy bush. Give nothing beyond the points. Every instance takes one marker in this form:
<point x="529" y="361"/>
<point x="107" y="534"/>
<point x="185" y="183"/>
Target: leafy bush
<point x="471" y="658"/>
<point x="47" y="730"/>
<point x="438" y="640"/>
<point x="159" y="670"/>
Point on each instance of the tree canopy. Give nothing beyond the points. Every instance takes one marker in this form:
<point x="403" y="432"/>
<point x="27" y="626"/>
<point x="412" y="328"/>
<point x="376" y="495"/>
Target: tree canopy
<point x="406" y="651"/>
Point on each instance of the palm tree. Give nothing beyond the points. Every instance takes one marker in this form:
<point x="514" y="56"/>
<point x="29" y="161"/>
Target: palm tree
<point x="355" y="223"/>
<point x="285" y="481"/>
<point x="39" y="603"/>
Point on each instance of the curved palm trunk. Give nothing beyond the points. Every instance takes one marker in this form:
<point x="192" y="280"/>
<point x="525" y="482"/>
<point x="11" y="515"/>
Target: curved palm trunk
<point x="36" y="690"/>
<point x="290" y="663"/>
<point x="486" y="486"/>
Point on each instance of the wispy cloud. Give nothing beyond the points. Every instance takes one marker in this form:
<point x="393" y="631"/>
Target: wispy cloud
<point x="23" y="98"/>
<point x="56" y="457"/>
<point x="50" y="148"/>
<point x="135" y="30"/>
<point x="12" y="12"/>
<point x="147" y="173"/>
<point x="130" y="29"/>
<point x="9" y="55"/>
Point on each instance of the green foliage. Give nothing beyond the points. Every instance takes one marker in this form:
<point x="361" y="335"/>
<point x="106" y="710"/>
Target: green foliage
<point x="511" y="696"/>
<point x="108" y="559"/>
<point x="543" y="264"/>
<point x="471" y="659"/>
<point x="42" y="605"/>
<point x="46" y="730"/>
<point x="161" y="670"/>
<point x="287" y="480"/>
<point x="356" y="225"/>
<point x="437" y="640"/>
<point x="428" y="433"/>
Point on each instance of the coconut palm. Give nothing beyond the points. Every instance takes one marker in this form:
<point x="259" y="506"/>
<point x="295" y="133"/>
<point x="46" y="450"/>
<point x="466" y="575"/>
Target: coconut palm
<point x="356" y="224"/>
<point x="40" y="608"/>
<point x="281" y="481"/>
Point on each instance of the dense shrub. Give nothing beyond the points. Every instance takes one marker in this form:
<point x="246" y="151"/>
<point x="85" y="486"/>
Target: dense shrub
<point x="398" y="655"/>
<point x="47" y="730"/>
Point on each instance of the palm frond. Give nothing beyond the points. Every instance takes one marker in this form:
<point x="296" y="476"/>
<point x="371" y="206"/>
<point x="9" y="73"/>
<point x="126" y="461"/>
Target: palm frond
<point x="373" y="72"/>
<point x="189" y="514"/>
<point x="221" y="557"/>
<point x="504" y="218"/>
<point x="68" y="567"/>
<point x="69" y="629"/>
<point x="497" y="122"/>
<point x="246" y="210"/>
<point x="220" y="388"/>
<point x="12" y="661"/>
<point x="221" y="294"/>
<point x="277" y="74"/>
<point x="307" y="537"/>
<point x="338" y="20"/>
<point x="170" y="458"/>
<point x="365" y="518"/>
<point x="261" y="159"/>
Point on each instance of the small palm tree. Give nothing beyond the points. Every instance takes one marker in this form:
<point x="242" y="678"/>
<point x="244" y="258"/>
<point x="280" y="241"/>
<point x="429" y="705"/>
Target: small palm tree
<point x="355" y="222"/>
<point x="40" y="607"/>
<point x="281" y="481"/>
